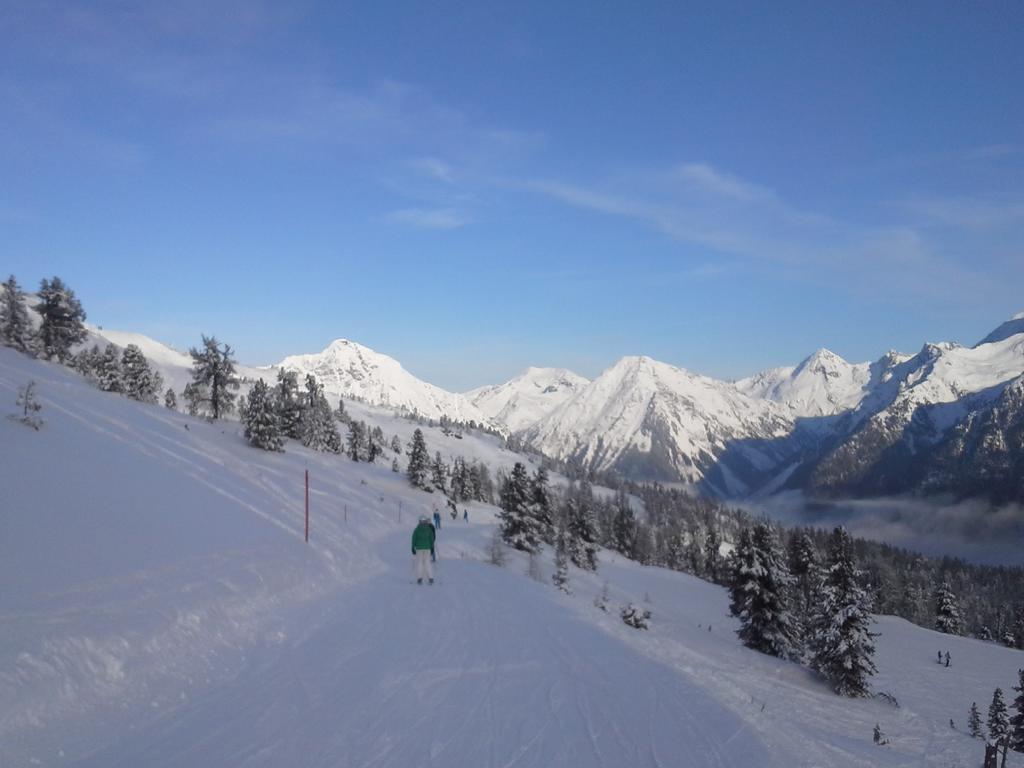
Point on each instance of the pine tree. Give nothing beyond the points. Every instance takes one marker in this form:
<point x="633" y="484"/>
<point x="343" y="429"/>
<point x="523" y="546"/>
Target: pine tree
<point x="623" y="525"/>
<point x="561" y="575"/>
<point x="171" y="399"/>
<point x="396" y="445"/>
<point x="355" y="440"/>
<point x="139" y="381"/>
<point x="374" y="444"/>
<point x="1016" y="726"/>
<point x="213" y="368"/>
<point x="394" y="466"/>
<point x="317" y="423"/>
<point x="439" y="473"/>
<point x="519" y="527"/>
<point x="581" y="527"/>
<point x="974" y="722"/>
<point x="712" y="554"/>
<point x="62" y="319"/>
<point x="806" y="572"/>
<point x="842" y="644"/>
<point x="998" y="724"/>
<point x="261" y="420"/>
<point x="419" y="460"/>
<point x="340" y="413"/>
<point x="760" y="590"/>
<point x="541" y="506"/>
<point x="742" y="566"/>
<point x="108" y="370"/>
<point x="195" y="396"/>
<point x="288" y="403"/>
<point x="947" y="612"/>
<point x="15" y="328"/>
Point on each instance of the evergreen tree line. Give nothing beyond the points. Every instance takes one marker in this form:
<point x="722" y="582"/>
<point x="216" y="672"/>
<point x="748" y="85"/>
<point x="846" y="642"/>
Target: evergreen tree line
<point x="686" y="533"/>
<point x="61" y="320"/>
<point x="1003" y="729"/>
<point x="459" y="480"/>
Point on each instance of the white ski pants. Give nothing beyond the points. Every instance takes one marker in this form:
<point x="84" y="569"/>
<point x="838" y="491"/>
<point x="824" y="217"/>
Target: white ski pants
<point x="424" y="568"/>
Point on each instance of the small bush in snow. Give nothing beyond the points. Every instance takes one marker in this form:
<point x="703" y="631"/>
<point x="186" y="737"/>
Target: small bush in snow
<point x="635" y="617"/>
<point x="601" y="601"/>
<point x="29" y="406"/>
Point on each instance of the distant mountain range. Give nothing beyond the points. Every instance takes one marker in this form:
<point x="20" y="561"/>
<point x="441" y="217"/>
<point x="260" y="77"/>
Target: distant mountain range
<point x="949" y="419"/>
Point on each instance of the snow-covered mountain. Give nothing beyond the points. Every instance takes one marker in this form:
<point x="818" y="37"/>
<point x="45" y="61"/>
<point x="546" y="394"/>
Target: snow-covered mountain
<point x="885" y="445"/>
<point x="651" y="420"/>
<point x="1011" y="327"/>
<point x="822" y="385"/>
<point x="523" y="401"/>
<point x="350" y="370"/>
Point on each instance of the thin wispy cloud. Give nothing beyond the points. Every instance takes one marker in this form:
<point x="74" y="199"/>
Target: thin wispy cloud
<point x="965" y="213"/>
<point x="698" y="204"/>
<point x="427" y="218"/>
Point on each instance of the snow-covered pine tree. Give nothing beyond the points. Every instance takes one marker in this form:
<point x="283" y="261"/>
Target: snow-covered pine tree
<point x="742" y="570"/>
<point x="947" y="612"/>
<point x="541" y="505"/>
<point x="355" y="440"/>
<point x="1016" y="724"/>
<point x="170" y="399"/>
<point x="439" y="473"/>
<point x="30" y="406"/>
<point x="842" y="645"/>
<point x="394" y="465"/>
<point x="581" y="527"/>
<point x="62" y="318"/>
<point x="374" y="444"/>
<point x="519" y="527"/>
<point x="998" y="723"/>
<point x="713" y="554"/>
<point x="396" y="444"/>
<point x="288" y="402"/>
<point x="213" y="368"/>
<point x="806" y="572"/>
<point x="138" y="380"/>
<point x="974" y="722"/>
<point x="419" y="460"/>
<point x="766" y="623"/>
<point x="623" y="525"/>
<point x="15" y="328"/>
<point x="195" y="397"/>
<point x="340" y="413"/>
<point x="317" y="423"/>
<point x="261" y="420"/>
<point x="108" y="370"/>
<point x="561" y="575"/>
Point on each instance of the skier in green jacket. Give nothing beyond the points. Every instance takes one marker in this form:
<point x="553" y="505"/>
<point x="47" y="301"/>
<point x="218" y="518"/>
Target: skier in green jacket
<point x="423" y="549"/>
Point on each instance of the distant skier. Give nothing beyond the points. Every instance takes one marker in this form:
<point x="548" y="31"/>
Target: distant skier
<point x="947" y="658"/>
<point x="437" y="519"/>
<point x="465" y="515"/>
<point x="423" y="549"/>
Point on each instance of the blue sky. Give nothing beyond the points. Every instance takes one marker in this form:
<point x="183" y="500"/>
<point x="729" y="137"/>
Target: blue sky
<point x="474" y="188"/>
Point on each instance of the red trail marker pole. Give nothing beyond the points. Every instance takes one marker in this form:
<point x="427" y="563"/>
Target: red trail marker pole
<point x="307" y="506"/>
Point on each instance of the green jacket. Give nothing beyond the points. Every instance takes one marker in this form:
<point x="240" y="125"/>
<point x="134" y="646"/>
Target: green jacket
<point x="423" y="537"/>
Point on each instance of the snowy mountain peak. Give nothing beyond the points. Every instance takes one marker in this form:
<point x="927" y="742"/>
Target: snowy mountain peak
<point x="350" y="370"/>
<point x="1011" y="327"/>
<point x="524" y="400"/>
<point x="823" y="362"/>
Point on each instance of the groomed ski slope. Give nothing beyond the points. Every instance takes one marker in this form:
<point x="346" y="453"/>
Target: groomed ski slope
<point x="159" y="608"/>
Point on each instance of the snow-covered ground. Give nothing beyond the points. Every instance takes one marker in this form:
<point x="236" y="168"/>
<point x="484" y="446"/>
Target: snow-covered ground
<point x="160" y="608"/>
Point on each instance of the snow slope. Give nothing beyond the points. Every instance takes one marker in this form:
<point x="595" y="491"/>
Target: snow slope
<point x="524" y="400"/>
<point x="160" y="608"/>
<point x="350" y="370"/>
